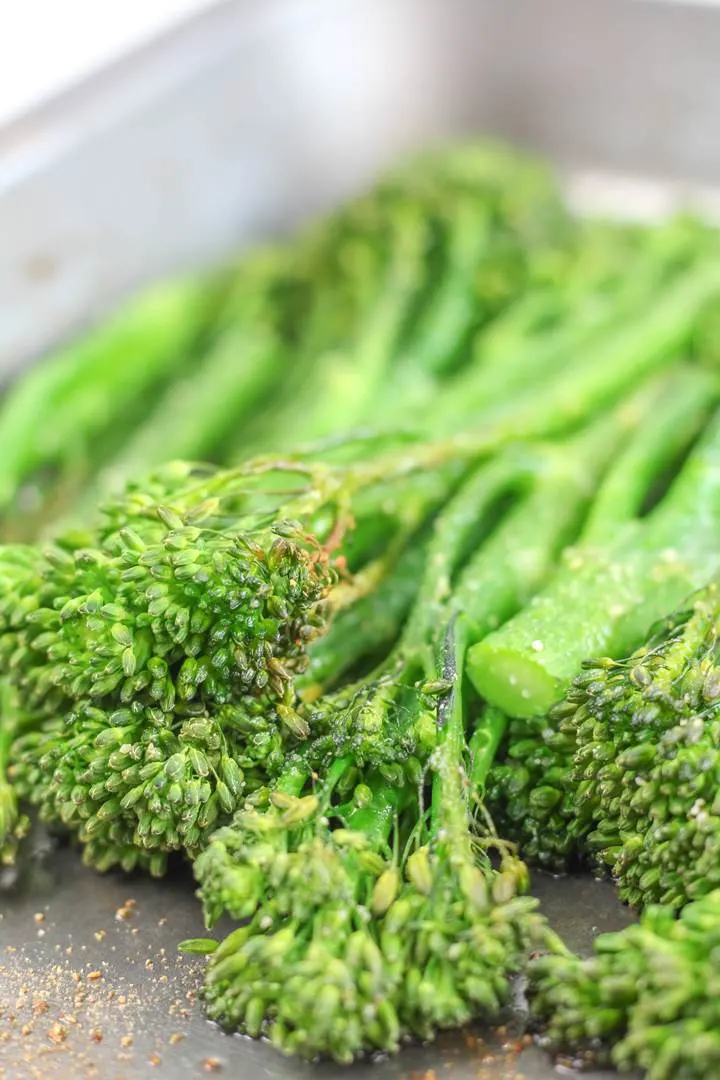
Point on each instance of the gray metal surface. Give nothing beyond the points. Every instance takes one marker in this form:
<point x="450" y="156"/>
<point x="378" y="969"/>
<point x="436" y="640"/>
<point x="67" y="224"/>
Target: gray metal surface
<point x="263" y="111"/>
<point x="237" y="125"/>
<point x="92" y="988"/>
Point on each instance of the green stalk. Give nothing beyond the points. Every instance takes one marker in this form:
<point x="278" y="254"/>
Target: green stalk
<point x="367" y="627"/>
<point x="518" y="559"/>
<point x="666" y="435"/>
<point x="352" y="377"/>
<point x="54" y="413"/>
<point x="449" y="807"/>
<point x="454" y="309"/>
<point x="199" y="410"/>
<point x="605" y="597"/>
<point x="483" y="746"/>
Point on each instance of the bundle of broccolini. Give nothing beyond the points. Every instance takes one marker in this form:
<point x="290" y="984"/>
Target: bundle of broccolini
<point x="463" y="443"/>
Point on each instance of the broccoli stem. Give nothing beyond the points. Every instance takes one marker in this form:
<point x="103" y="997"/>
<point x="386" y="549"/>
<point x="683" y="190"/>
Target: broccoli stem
<point x="70" y="399"/>
<point x="366" y="628"/>
<point x="483" y="746"/>
<point x="686" y="405"/>
<point x="455" y="308"/>
<point x="457" y="929"/>
<point x="507" y="361"/>
<point x="194" y="415"/>
<point x="348" y="376"/>
<point x="604" y="597"/>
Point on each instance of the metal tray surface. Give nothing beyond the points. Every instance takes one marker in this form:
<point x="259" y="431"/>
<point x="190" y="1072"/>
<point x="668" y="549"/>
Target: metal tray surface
<point x="261" y="112"/>
<point x="92" y="988"/>
<point x="236" y="126"/>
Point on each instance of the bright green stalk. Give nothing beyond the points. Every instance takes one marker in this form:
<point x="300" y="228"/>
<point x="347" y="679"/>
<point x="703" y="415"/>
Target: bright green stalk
<point x="69" y="400"/>
<point x="604" y="597"/>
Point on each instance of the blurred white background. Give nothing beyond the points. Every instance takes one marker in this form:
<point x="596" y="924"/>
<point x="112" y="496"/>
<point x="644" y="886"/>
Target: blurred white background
<point x="47" y="45"/>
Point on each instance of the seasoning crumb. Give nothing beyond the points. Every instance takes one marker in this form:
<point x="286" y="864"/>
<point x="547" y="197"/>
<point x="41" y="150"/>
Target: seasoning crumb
<point x="96" y="1036"/>
<point x="94" y="975"/>
<point x="154" y="1058"/>
<point x="99" y="935"/>
<point x="57" y="1033"/>
<point x="39" y="917"/>
<point x="175" y="1038"/>
<point x="211" y="1064"/>
<point x="26" y="1029"/>
<point x="127" y="1040"/>
<point x="163" y="921"/>
<point x="149" y="965"/>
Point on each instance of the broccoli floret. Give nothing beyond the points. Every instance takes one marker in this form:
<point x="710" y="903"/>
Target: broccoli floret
<point x="646" y="770"/>
<point x="647" y="998"/>
<point x="399" y="925"/>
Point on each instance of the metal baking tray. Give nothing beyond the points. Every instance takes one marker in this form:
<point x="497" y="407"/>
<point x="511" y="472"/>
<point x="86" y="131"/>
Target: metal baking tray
<point x="235" y="126"/>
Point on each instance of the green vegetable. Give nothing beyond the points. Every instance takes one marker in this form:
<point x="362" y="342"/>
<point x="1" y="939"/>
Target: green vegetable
<point x="332" y="920"/>
<point x="53" y="415"/>
<point x="644" y="782"/>
<point x="646" y="998"/>
<point x="476" y="443"/>
<point x="606" y="594"/>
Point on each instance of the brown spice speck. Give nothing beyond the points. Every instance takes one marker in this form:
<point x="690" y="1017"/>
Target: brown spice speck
<point x="154" y="1058"/>
<point x="57" y="1034"/>
<point x="96" y="1036"/>
<point x="127" y="1040"/>
<point x="211" y="1064"/>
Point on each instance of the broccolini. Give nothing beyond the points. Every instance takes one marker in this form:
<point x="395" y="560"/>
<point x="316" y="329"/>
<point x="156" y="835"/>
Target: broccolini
<point x="461" y="443"/>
